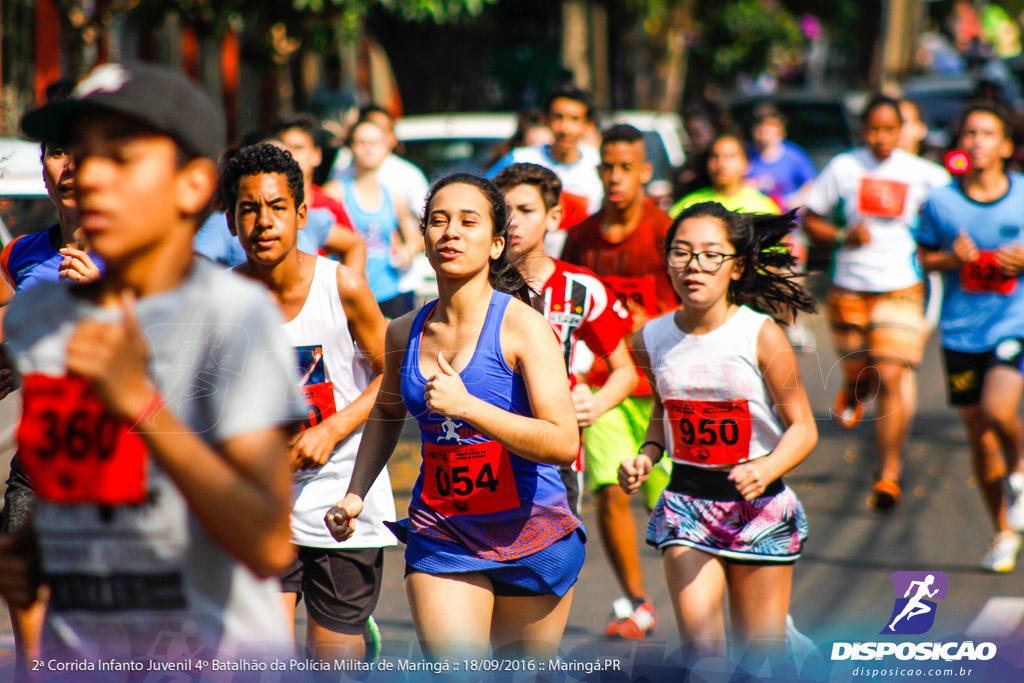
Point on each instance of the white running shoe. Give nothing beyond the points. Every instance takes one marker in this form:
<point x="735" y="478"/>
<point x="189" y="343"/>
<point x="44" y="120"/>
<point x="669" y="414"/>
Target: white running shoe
<point x="1002" y="553"/>
<point x="1015" y="501"/>
<point x="798" y="645"/>
<point x="622" y="608"/>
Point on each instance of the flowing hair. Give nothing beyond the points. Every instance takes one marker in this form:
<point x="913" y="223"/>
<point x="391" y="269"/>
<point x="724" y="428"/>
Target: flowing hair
<point x="767" y="283"/>
<point x="503" y="276"/>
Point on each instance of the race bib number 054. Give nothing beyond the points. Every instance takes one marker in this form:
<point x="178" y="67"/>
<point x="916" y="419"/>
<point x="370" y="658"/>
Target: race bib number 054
<point x="73" y="449"/>
<point x="709" y="432"/>
<point x="468" y="479"/>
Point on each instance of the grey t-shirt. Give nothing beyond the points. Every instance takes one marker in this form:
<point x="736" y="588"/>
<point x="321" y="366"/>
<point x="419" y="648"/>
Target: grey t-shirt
<point x="146" y="579"/>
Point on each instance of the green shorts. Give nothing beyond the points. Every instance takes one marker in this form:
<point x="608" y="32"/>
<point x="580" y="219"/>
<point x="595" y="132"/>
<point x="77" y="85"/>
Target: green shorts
<point x="617" y="435"/>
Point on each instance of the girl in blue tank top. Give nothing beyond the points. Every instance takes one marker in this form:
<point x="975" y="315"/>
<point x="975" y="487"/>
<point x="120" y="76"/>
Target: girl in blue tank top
<point x="381" y="227"/>
<point x="489" y="519"/>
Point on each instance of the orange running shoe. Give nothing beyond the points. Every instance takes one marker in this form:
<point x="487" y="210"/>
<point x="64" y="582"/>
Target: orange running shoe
<point x="885" y="496"/>
<point x="637" y="626"/>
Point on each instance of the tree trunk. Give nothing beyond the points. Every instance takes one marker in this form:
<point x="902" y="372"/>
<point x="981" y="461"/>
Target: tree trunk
<point x="672" y="69"/>
<point x="575" y="43"/>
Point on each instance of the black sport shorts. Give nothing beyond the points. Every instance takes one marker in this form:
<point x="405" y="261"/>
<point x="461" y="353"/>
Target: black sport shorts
<point x="340" y="587"/>
<point x="965" y="372"/>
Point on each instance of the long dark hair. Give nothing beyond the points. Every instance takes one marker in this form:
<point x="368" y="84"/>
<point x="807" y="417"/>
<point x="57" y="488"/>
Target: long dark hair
<point x="768" y="282"/>
<point x="504" y="276"/>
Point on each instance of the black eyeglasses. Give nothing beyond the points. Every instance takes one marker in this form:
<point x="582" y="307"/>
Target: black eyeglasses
<point x="708" y="261"/>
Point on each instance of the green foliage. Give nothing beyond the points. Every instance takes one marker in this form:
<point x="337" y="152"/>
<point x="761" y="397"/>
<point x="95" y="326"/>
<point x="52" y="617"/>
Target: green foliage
<point x="729" y="36"/>
<point x="742" y="36"/>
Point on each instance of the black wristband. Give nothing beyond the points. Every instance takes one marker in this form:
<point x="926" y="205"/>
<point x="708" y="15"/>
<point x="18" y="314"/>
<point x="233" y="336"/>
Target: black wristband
<point x="645" y="444"/>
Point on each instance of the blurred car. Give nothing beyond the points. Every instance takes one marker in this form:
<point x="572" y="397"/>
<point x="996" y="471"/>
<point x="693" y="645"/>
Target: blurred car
<point x="447" y="143"/>
<point x="822" y="124"/>
<point x="25" y="206"/>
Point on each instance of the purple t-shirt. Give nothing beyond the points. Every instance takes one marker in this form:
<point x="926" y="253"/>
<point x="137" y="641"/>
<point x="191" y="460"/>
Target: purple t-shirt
<point x="781" y="177"/>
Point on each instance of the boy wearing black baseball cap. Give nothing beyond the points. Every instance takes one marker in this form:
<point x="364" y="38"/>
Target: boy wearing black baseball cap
<point x="153" y="423"/>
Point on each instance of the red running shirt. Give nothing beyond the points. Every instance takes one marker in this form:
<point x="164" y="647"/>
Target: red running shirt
<point x="319" y="200"/>
<point x="633" y="268"/>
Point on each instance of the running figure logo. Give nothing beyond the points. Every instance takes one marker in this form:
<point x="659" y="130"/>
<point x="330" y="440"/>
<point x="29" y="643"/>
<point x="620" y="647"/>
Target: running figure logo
<point x="450" y="434"/>
<point x="914" y="612"/>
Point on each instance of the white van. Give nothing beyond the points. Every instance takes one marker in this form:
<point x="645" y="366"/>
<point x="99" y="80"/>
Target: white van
<point x="24" y="205"/>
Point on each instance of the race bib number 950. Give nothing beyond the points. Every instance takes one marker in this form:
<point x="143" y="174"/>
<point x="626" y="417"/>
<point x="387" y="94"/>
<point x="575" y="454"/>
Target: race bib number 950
<point x="709" y="432"/>
<point x="468" y="479"/>
<point x="73" y="449"/>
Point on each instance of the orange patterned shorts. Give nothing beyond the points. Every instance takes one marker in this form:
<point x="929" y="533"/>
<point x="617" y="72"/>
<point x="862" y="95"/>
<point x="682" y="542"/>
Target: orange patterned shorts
<point x="878" y="326"/>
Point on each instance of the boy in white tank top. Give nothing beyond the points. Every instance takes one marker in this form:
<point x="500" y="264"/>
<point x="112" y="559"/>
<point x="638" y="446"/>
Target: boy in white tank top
<point x="337" y="329"/>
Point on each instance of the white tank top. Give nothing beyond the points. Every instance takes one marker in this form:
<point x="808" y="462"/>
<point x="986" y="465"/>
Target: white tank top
<point x="717" y="408"/>
<point x="332" y="375"/>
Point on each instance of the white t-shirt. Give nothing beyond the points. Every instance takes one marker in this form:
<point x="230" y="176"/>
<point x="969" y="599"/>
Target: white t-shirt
<point x="333" y="375"/>
<point x="579" y="178"/>
<point x="128" y="577"/>
<point x="886" y="196"/>
<point x="718" y="410"/>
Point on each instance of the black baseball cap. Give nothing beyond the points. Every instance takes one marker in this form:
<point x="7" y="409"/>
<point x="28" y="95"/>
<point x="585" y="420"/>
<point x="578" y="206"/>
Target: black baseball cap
<point x="164" y="99"/>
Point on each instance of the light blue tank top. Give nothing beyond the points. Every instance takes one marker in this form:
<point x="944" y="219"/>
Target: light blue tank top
<point x="376" y="229"/>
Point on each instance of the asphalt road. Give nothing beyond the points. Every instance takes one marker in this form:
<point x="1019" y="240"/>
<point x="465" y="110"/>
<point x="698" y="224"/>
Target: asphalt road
<point x="842" y="589"/>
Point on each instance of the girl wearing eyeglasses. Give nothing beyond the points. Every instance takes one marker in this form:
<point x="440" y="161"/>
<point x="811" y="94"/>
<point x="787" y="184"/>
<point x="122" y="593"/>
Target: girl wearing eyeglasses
<point x="732" y="413"/>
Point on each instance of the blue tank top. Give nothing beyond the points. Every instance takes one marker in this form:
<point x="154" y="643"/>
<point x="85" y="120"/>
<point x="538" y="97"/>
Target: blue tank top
<point x="376" y="229"/>
<point x="472" y="491"/>
<point x="30" y="259"/>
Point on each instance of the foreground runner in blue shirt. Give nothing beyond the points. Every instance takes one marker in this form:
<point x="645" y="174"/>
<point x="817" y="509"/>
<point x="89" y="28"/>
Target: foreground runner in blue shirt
<point x="971" y="229"/>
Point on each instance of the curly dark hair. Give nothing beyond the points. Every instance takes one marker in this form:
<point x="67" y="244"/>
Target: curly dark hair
<point x="503" y="275"/>
<point x="768" y="282"/>
<point x="257" y="159"/>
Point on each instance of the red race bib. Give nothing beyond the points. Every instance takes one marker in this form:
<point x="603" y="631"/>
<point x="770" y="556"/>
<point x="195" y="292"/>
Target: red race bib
<point x="468" y="479"/>
<point x="73" y="449"/>
<point x="984" y="276"/>
<point x="709" y="432"/>
<point x="319" y="403"/>
<point x="640" y="290"/>
<point x="882" y="198"/>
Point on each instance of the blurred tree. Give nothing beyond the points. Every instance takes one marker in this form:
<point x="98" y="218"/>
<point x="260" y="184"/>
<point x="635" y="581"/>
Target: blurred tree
<point x="712" y="43"/>
<point x="85" y="26"/>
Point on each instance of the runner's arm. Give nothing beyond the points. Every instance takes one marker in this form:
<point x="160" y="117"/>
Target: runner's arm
<point x="777" y="363"/>
<point x="634" y="471"/>
<point x="384" y="423"/>
<point x="381" y="434"/>
<point x="348" y="245"/>
<point x="820" y="230"/>
<point x="964" y="251"/>
<point x="622" y="379"/>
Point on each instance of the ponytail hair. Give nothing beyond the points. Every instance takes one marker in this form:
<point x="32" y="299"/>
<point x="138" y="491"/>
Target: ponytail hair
<point x="503" y="276"/>
<point x="767" y="283"/>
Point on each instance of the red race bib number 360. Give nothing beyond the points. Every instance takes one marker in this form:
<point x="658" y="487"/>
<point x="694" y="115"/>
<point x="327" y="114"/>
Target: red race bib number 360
<point x="983" y="276"/>
<point x="468" y="479"/>
<point x="709" y="432"/>
<point x="73" y="449"/>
